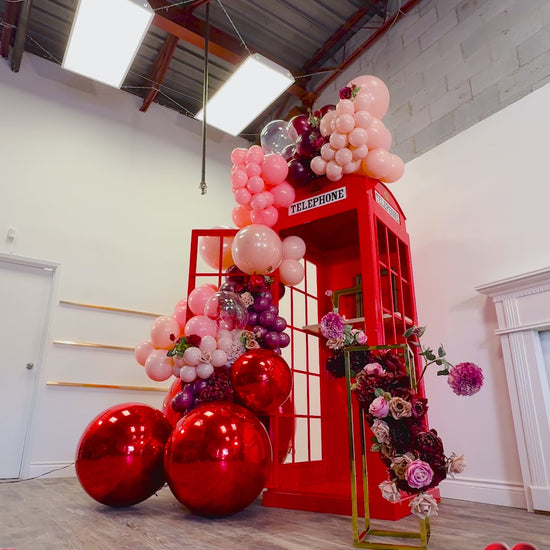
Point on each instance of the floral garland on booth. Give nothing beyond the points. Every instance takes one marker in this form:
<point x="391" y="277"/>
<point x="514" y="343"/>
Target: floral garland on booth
<point x="395" y="411"/>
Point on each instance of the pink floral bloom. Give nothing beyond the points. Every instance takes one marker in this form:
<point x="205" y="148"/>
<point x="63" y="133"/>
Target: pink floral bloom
<point x="379" y="407"/>
<point x="419" y="474"/>
<point x="424" y="506"/>
<point x="374" y="368"/>
<point x="389" y="491"/>
<point x="465" y="379"/>
<point x="360" y="336"/>
<point x="381" y="431"/>
<point x="332" y="326"/>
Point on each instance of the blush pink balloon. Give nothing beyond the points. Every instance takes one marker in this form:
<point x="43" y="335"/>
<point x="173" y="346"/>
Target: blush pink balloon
<point x="343" y="156"/>
<point x="255" y="184"/>
<point x="238" y="155"/>
<point x="201" y="326"/>
<point x="396" y="170"/>
<point x="358" y="137"/>
<point x="362" y="119"/>
<point x="291" y="272"/>
<point x="262" y="200"/>
<point x="159" y="366"/>
<point x="255" y="155"/>
<point x="164" y="332"/>
<point x="238" y="179"/>
<point x="338" y="141"/>
<point x="387" y="141"/>
<point x="257" y="249"/>
<point x="180" y="316"/>
<point x="318" y="166"/>
<point x="363" y="102"/>
<point x="377" y="89"/>
<point x="209" y="250"/>
<point x="241" y="216"/>
<point x="283" y="195"/>
<point x="360" y="152"/>
<point x="242" y="196"/>
<point x="376" y="134"/>
<point x="345" y="107"/>
<point x="344" y="123"/>
<point x="334" y="171"/>
<point x="142" y="351"/>
<point x="351" y="167"/>
<point x="325" y="126"/>
<point x="268" y="216"/>
<point x="274" y="169"/>
<point x="294" y="248"/>
<point x="253" y="169"/>
<point x="377" y="163"/>
<point x="327" y="152"/>
<point x="198" y="297"/>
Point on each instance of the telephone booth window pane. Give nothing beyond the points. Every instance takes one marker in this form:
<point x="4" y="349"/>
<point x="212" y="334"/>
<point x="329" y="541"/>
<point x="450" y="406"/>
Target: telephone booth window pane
<point x="311" y="276"/>
<point x="313" y="351"/>
<point x="300" y="393"/>
<point x="299" y="309"/>
<point x="301" y="439"/>
<point x="299" y="344"/>
<point x="314" y="396"/>
<point x="315" y="439"/>
<point x="312" y="313"/>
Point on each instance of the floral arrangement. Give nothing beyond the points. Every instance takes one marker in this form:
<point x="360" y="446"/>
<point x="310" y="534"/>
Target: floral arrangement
<point x="388" y="395"/>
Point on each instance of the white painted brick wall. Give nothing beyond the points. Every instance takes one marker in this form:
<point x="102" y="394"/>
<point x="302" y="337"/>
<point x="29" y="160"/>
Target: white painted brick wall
<point x="451" y="63"/>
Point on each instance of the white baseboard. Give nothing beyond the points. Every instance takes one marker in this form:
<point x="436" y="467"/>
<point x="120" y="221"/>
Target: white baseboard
<point x="51" y="469"/>
<point x="486" y="491"/>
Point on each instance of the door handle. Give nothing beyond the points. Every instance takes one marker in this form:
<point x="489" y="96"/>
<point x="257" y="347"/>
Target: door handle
<point x="30" y="365"/>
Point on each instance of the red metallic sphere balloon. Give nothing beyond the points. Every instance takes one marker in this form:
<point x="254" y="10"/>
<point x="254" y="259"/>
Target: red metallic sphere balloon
<point x="262" y="380"/>
<point x="119" y="458"/>
<point x="217" y="459"/>
<point x="281" y="426"/>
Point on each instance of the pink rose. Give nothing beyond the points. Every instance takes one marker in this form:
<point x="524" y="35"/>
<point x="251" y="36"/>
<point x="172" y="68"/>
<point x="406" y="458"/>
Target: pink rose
<point x="419" y="474"/>
<point x="381" y="431"/>
<point x="379" y="407"/>
<point x="424" y="506"/>
<point x="389" y="491"/>
<point x="374" y="368"/>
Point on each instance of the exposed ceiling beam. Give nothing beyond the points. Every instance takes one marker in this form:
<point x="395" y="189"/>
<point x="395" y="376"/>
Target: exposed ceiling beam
<point x="20" y="36"/>
<point x="11" y="16"/>
<point x="159" y="68"/>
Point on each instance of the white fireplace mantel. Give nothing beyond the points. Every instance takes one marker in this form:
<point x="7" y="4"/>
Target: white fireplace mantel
<point x="523" y="311"/>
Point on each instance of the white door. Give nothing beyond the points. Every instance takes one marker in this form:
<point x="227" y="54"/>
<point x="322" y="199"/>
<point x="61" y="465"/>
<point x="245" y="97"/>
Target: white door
<point x="24" y="297"/>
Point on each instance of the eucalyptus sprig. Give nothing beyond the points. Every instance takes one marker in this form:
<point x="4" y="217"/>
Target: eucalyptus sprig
<point x="179" y="347"/>
<point x="430" y="357"/>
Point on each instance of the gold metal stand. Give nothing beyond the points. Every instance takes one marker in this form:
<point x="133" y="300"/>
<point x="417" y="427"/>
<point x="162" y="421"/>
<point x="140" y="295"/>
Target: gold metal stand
<point x="364" y="539"/>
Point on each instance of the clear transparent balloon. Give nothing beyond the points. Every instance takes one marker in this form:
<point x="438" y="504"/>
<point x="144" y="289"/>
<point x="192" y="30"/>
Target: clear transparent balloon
<point x="276" y="136"/>
<point x="227" y="309"/>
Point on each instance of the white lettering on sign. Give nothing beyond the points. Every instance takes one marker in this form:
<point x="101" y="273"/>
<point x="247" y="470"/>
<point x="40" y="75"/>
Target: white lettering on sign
<point x="317" y="201"/>
<point x="387" y="206"/>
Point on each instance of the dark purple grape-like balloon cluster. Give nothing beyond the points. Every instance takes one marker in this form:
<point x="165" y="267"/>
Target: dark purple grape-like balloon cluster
<point x="266" y="323"/>
<point x="187" y="398"/>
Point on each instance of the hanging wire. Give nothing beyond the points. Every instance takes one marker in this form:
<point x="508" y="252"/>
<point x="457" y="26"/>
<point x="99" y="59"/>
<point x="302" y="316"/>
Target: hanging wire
<point x="234" y="27"/>
<point x="202" y="184"/>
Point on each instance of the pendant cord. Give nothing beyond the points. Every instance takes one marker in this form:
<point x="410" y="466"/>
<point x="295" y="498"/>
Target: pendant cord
<point x="202" y="185"/>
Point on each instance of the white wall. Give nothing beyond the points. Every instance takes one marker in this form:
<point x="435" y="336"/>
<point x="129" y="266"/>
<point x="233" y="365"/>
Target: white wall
<point x="477" y="208"/>
<point x="111" y="194"/>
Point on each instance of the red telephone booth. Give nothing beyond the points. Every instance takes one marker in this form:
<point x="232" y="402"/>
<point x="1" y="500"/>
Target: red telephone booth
<point x="355" y="234"/>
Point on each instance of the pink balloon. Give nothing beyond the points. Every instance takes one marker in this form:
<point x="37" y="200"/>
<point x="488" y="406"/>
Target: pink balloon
<point x="318" y="166"/>
<point x="362" y="119"/>
<point x="262" y="200"/>
<point x="241" y="215"/>
<point x="396" y="170"/>
<point x="377" y="89"/>
<point x="351" y="167"/>
<point x="345" y="107"/>
<point x="164" y="332"/>
<point x="198" y="298"/>
<point x="255" y="155"/>
<point x="334" y="170"/>
<point x="274" y="169"/>
<point x="386" y="142"/>
<point x="209" y="250"/>
<point x="327" y="152"/>
<point x="201" y="326"/>
<point x="344" y="123"/>
<point x="377" y="163"/>
<point x="268" y="216"/>
<point x="294" y="248"/>
<point x="180" y="316"/>
<point x="253" y="170"/>
<point x="238" y="156"/>
<point x="283" y="195"/>
<point x="363" y="102"/>
<point x="255" y="184"/>
<point x="358" y="137"/>
<point x="238" y="179"/>
<point x="376" y="134"/>
<point x="142" y="351"/>
<point x="360" y="152"/>
<point x="257" y="249"/>
<point x="291" y="272"/>
<point x="242" y="196"/>
<point x="236" y="167"/>
<point x="158" y="366"/>
<point x="343" y="156"/>
<point x="338" y="140"/>
<point x="325" y="126"/>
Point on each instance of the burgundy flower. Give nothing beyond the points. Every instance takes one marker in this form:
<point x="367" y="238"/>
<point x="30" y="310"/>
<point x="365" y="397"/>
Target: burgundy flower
<point x="400" y="435"/>
<point x="465" y="379"/>
<point x="345" y="93"/>
<point x="194" y="340"/>
<point x="394" y="363"/>
<point x="428" y="444"/>
<point x="439" y="468"/>
<point x="219" y="387"/>
<point x="419" y="406"/>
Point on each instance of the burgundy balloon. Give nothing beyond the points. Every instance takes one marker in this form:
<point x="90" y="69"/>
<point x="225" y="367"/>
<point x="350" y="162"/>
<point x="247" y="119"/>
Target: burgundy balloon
<point x="119" y="458"/>
<point x="252" y="317"/>
<point x="183" y="400"/>
<point x="301" y="124"/>
<point x="271" y="339"/>
<point x="284" y="339"/>
<point x="279" y="324"/>
<point x="305" y="144"/>
<point x="217" y="459"/>
<point x="259" y="331"/>
<point x="261" y="303"/>
<point x="262" y="380"/>
<point x="266" y="318"/>
<point x="299" y="173"/>
<point x="172" y="415"/>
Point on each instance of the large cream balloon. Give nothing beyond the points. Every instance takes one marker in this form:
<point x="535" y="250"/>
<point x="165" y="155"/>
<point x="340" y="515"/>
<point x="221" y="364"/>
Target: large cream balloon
<point x="257" y="249"/>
